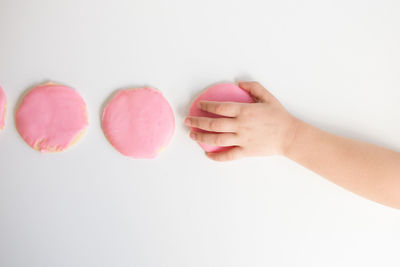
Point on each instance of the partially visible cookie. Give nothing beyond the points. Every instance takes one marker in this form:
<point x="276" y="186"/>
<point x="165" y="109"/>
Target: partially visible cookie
<point x="223" y="92"/>
<point x="51" y="117"/>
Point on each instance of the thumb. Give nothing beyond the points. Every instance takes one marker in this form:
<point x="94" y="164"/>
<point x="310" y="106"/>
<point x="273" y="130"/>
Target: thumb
<point x="256" y="90"/>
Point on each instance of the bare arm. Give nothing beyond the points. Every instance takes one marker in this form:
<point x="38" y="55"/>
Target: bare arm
<point x="266" y="128"/>
<point x="365" y="169"/>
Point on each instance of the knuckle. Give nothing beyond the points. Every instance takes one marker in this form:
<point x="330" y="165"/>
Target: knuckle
<point x="200" y="137"/>
<point x="245" y="110"/>
<point x="234" y="124"/>
<point x="214" y="124"/>
<point x="220" y="108"/>
<point x="218" y="140"/>
<point x="204" y="106"/>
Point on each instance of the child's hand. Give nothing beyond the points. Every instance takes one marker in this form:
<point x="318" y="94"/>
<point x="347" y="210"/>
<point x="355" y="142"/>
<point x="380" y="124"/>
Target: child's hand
<point x="257" y="129"/>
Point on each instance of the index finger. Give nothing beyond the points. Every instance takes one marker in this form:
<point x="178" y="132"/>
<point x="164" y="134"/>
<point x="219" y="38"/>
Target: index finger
<point x="227" y="109"/>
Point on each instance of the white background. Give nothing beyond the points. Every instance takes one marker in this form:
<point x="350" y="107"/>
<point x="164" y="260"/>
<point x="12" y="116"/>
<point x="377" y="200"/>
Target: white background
<point x="332" y="63"/>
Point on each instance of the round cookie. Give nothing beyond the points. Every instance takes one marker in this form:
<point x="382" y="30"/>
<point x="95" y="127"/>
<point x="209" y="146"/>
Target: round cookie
<point x="138" y="122"/>
<point x="223" y="92"/>
<point x="3" y="104"/>
<point x="51" y="117"/>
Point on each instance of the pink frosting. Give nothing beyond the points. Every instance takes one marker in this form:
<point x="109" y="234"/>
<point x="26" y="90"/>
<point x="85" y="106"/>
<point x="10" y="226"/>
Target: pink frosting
<point x="138" y="122"/>
<point x="51" y="117"/>
<point x="3" y="103"/>
<point x="223" y="92"/>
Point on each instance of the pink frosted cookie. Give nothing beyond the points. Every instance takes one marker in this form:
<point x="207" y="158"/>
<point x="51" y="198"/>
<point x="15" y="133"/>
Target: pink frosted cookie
<point x="51" y="117"/>
<point x="223" y="92"/>
<point x="138" y="122"/>
<point x="3" y="103"/>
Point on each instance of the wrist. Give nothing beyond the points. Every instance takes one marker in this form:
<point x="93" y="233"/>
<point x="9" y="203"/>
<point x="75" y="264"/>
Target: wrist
<point x="294" y="130"/>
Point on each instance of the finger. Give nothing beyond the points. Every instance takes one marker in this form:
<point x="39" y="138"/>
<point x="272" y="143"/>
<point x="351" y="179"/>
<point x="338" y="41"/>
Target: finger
<point x="215" y="139"/>
<point x="256" y="90"/>
<point x="228" y="109"/>
<point x="227" y="155"/>
<point x="212" y="124"/>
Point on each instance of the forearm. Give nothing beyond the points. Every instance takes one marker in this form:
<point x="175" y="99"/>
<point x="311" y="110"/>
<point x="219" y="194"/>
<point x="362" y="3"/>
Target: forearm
<point x="365" y="169"/>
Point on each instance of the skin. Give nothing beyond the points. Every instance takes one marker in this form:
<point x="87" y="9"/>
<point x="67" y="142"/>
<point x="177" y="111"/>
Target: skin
<point x="266" y="128"/>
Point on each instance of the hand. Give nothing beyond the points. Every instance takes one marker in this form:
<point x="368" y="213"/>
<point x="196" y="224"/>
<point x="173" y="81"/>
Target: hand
<point x="257" y="129"/>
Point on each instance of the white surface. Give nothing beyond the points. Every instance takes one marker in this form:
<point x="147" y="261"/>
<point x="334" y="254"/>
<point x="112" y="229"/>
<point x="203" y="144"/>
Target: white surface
<point x="332" y="63"/>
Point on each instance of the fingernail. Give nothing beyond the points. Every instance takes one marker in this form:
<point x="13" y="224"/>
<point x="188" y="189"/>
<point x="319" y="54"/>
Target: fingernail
<point x="199" y="104"/>
<point x="187" y="121"/>
<point x="192" y="135"/>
